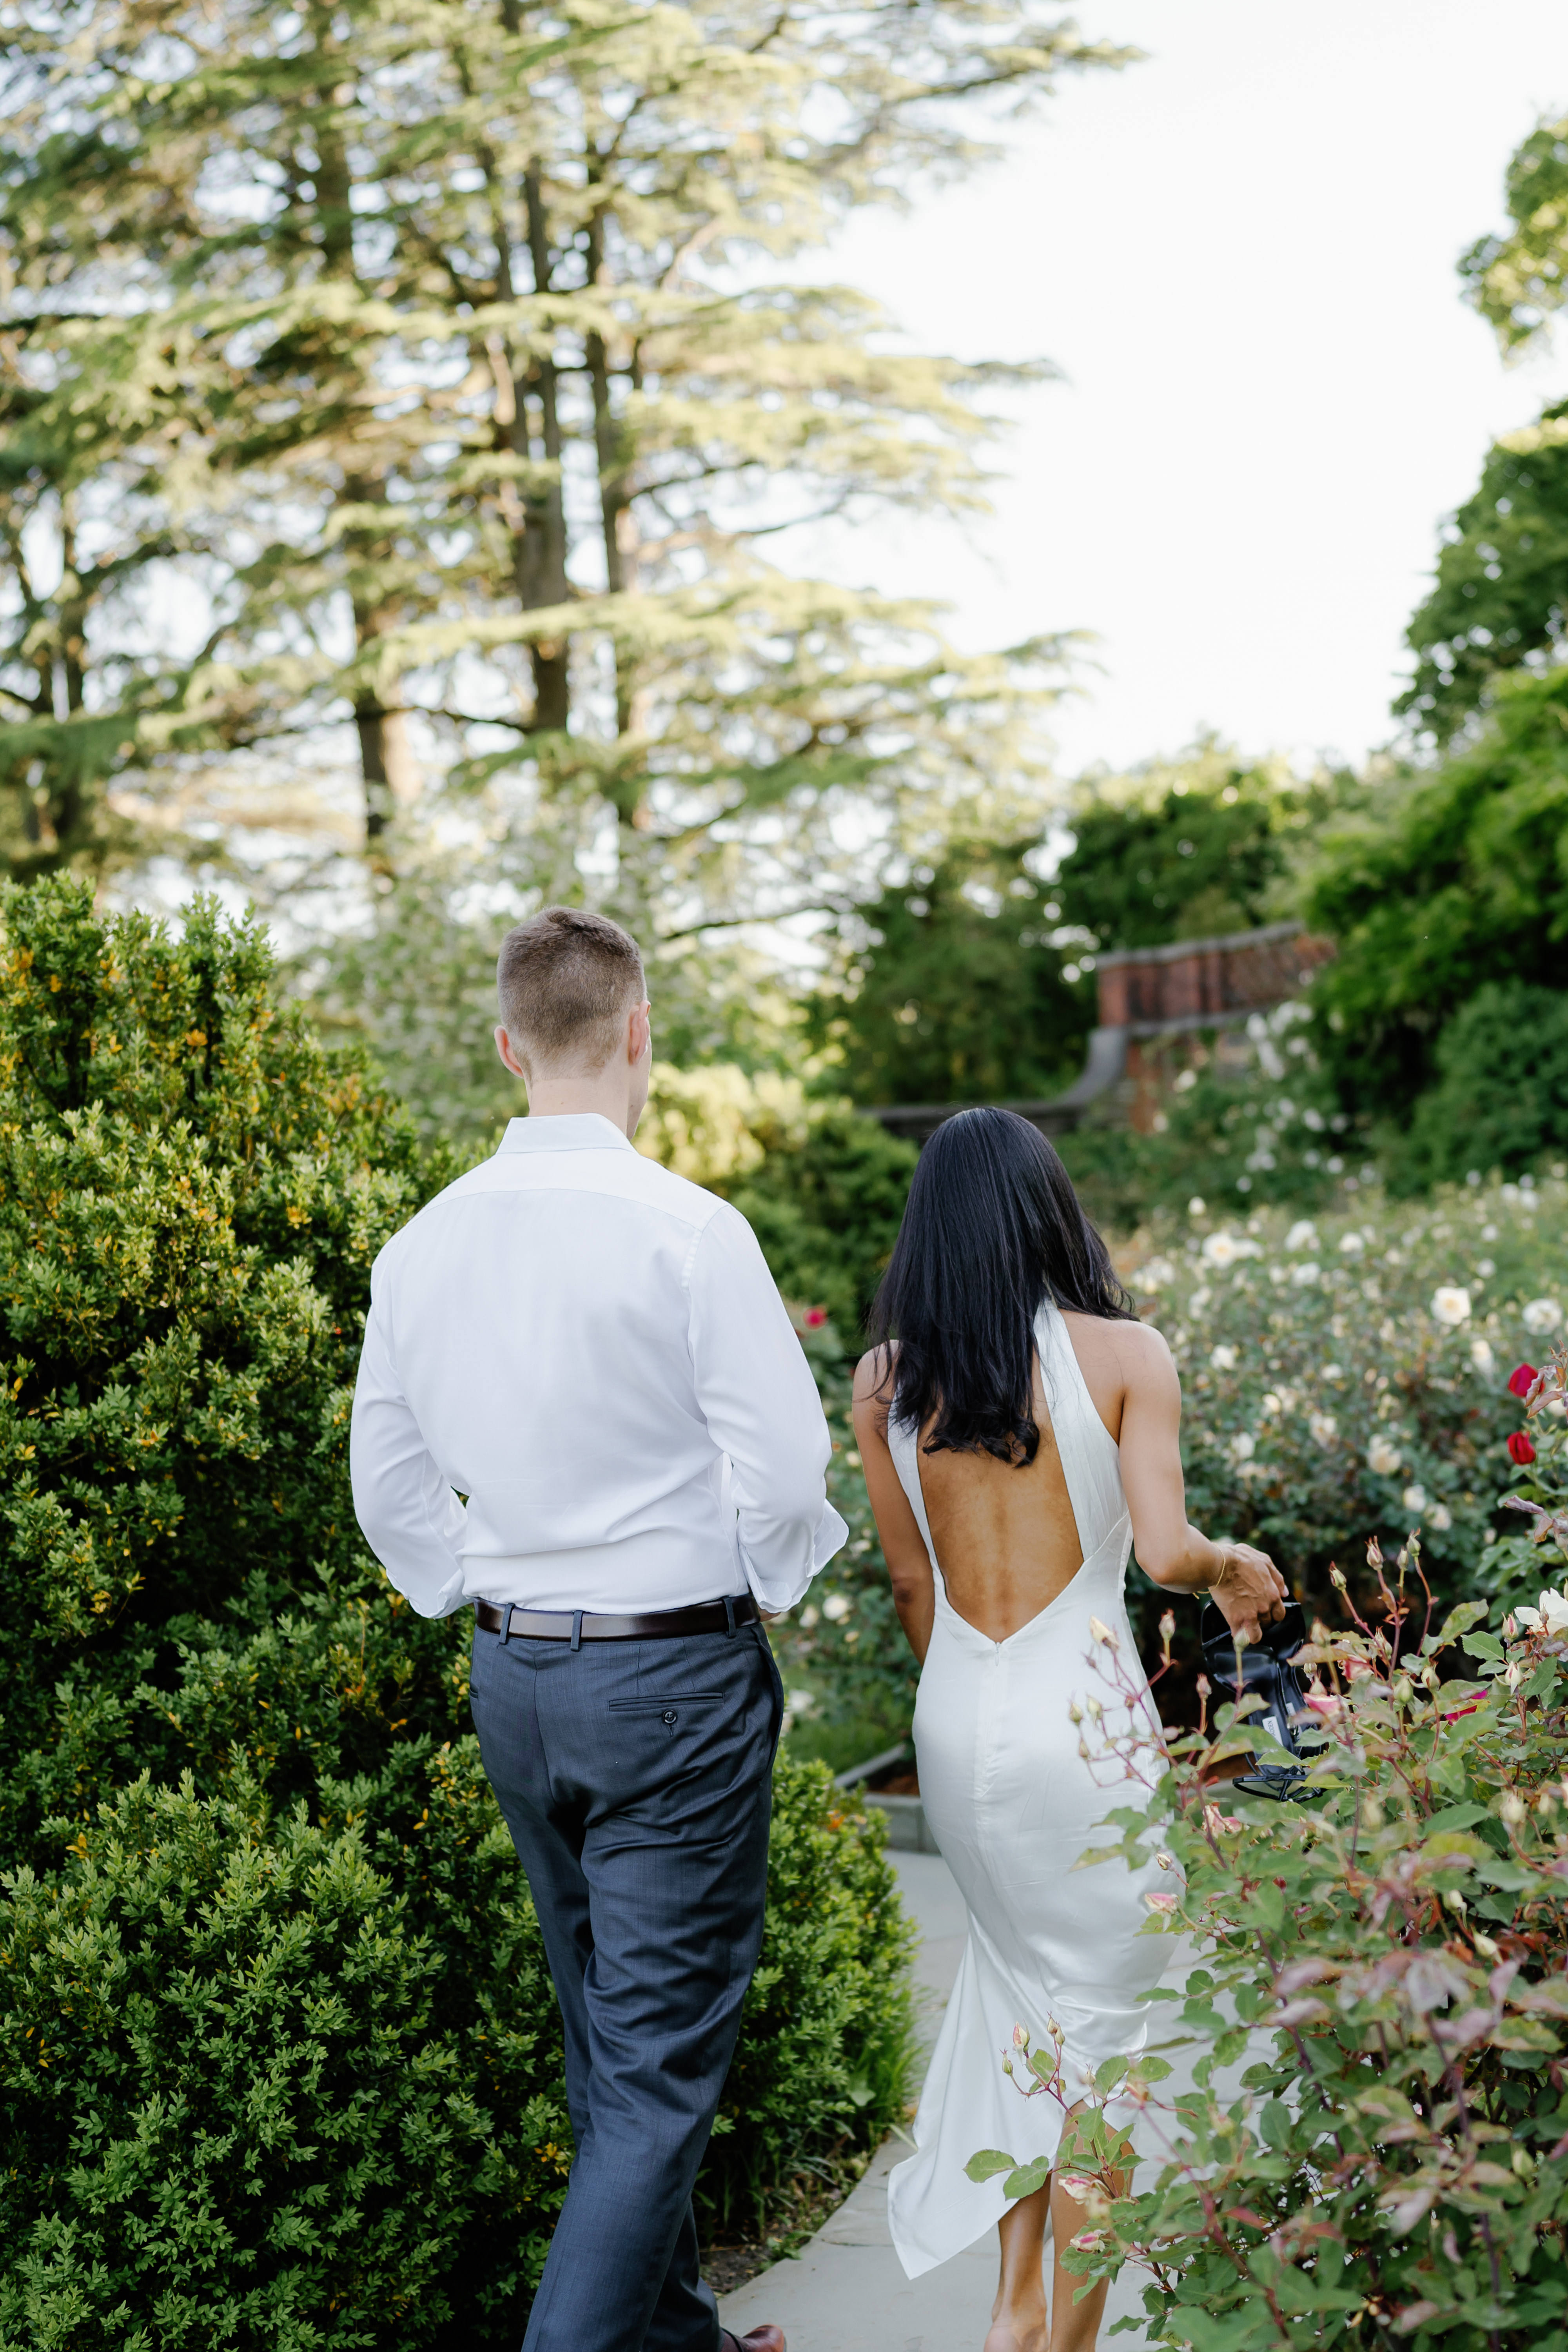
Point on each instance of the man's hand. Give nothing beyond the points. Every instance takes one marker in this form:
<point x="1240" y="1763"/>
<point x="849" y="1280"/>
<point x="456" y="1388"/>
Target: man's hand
<point x="1251" y="1594"/>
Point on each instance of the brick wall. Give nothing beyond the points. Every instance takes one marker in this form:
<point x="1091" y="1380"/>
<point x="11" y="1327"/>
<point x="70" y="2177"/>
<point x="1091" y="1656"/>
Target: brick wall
<point x="1192" y="981"/>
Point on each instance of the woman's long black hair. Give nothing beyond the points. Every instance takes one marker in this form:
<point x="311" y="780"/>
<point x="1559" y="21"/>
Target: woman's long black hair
<point x="991" y="1228"/>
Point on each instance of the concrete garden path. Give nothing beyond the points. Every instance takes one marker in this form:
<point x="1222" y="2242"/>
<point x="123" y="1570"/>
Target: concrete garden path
<point x="846" y="2290"/>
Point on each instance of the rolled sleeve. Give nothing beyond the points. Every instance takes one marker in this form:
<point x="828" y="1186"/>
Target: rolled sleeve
<point x="756" y="1392"/>
<point x="406" y="1510"/>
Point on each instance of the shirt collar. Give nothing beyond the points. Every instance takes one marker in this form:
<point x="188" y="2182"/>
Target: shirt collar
<point x="577" y="1130"/>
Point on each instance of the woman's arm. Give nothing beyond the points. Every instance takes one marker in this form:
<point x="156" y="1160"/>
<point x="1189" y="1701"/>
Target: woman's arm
<point x="1245" y="1585"/>
<point x="910" y="1569"/>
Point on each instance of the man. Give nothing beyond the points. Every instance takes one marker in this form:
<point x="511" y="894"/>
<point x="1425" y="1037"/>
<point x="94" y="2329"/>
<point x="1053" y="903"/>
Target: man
<point x="592" y="1351"/>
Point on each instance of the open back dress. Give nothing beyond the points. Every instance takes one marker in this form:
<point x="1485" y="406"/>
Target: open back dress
<point x="1013" y="1805"/>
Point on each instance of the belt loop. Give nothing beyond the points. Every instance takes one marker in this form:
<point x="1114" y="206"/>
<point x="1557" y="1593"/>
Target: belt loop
<point x="576" y="1629"/>
<point x="730" y="1613"/>
<point x="505" y="1622"/>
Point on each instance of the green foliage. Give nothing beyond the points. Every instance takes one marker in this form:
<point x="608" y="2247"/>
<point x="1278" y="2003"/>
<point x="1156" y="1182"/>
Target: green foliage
<point x="1459" y="879"/>
<point x="300" y="2069"/>
<point x="954" y="990"/>
<point x="1503" y="580"/>
<point x="1518" y="280"/>
<point x="1206" y="856"/>
<point x="1500" y="1101"/>
<point x="190" y="1193"/>
<point x="246" y="2102"/>
<point x="1372" y="2146"/>
<point x="827" y="1212"/>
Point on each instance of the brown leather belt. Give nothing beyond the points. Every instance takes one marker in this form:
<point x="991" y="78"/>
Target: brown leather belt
<point x="580" y="1625"/>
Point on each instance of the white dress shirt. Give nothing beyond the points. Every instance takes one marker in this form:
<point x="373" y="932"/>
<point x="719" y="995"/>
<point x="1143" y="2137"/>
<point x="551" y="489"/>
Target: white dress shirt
<point x="593" y="1351"/>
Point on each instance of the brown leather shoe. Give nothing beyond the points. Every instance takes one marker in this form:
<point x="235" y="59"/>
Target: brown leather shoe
<point x="766" y="2338"/>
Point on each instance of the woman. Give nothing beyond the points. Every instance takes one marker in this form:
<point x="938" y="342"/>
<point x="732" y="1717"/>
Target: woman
<point x="1019" y="1430"/>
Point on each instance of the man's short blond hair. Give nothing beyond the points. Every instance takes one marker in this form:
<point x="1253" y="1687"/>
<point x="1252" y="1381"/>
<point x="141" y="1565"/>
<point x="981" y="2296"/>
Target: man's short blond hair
<point x="566" y="980"/>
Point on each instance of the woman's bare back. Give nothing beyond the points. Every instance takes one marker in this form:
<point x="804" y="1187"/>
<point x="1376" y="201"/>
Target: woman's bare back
<point x="1004" y="1534"/>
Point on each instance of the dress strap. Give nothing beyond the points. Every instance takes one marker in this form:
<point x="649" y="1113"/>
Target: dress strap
<point x="1090" y="1457"/>
<point x="903" y="1444"/>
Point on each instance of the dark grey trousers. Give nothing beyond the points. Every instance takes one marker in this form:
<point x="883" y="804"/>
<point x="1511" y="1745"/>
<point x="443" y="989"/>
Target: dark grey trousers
<point x="635" y="1778"/>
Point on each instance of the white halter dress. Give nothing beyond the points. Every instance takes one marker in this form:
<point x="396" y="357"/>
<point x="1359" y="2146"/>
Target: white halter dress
<point x="1013" y="1805"/>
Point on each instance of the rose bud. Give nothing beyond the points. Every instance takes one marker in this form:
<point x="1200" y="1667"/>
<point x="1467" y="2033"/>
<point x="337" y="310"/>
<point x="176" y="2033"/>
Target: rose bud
<point x="1519" y="1448"/>
<point x="1521" y="1379"/>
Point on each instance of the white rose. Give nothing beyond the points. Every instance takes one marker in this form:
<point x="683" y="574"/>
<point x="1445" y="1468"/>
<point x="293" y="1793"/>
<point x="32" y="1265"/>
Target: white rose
<point x="1482" y="1358"/>
<point x="1351" y="1245"/>
<point x="1243" y="1446"/>
<point x="1551" y="1617"/>
<point x="1542" y="1315"/>
<point x="1158" y="1274"/>
<point x="1302" y="1235"/>
<point x="1451" y="1305"/>
<point x="1441" y="1517"/>
<point x="1415" y="1498"/>
<point x="835" y="1606"/>
<point x="1223" y="1358"/>
<point x="1324" y="1427"/>
<point x="1303" y="1277"/>
<point x="1196" y="1206"/>
<point x="1219" y="1249"/>
<point x="1382" y="1457"/>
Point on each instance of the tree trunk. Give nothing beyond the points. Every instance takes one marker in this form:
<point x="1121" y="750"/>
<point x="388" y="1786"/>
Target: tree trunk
<point x="540" y="559"/>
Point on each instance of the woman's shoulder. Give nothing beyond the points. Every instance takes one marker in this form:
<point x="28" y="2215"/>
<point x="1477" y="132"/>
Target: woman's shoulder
<point x="1137" y="1349"/>
<point x="873" y="1375"/>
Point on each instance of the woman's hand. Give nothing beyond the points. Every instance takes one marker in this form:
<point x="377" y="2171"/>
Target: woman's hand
<point x="1250" y="1592"/>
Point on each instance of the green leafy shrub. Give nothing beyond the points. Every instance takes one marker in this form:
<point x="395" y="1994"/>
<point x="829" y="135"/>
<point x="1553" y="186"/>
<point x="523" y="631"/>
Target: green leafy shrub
<point x="301" y="2072"/>
<point x="1500" y="1101"/>
<point x="952" y="988"/>
<point x="1455" y="881"/>
<point x="1206" y="855"/>
<point x="827" y="1213"/>
<point x="246" y="2104"/>
<point x="271" y="2081"/>
<point x="1386" y="1964"/>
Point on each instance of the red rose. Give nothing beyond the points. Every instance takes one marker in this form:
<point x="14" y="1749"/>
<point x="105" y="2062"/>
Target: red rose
<point x="1521" y="1379"/>
<point x="815" y="1316"/>
<point x="1521" y="1448"/>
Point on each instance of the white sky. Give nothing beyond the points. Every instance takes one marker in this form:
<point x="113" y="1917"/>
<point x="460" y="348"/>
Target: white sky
<point x="1241" y="255"/>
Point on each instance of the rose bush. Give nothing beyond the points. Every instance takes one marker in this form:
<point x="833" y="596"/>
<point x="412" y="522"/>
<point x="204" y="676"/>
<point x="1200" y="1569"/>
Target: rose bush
<point x="1387" y="1964"/>
<point x="1348" y="1376"/>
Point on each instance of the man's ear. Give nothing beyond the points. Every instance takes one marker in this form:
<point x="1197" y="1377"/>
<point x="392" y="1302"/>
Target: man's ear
<point x="640" y="1032"/>
<point x="503" y="1047"/>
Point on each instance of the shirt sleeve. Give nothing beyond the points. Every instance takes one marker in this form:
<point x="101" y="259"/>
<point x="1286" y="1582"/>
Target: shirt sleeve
<point x="756" y="1392"/>
<point x="407" y="1511"/>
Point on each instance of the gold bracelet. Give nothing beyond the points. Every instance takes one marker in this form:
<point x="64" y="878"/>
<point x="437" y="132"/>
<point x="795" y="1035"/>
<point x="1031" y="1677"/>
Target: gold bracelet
<point x="1226" y="1565"/>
